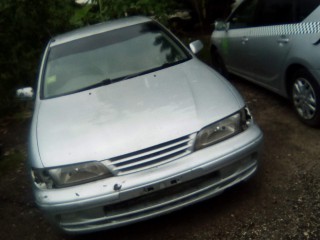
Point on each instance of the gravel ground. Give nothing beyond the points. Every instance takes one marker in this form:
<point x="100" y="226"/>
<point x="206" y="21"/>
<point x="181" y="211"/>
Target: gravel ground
<point x="281" y="202"/>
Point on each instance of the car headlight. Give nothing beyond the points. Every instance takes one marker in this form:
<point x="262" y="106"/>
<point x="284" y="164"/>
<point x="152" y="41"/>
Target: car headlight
<point x="70" y="175"/>
<point x="223" y="129"/>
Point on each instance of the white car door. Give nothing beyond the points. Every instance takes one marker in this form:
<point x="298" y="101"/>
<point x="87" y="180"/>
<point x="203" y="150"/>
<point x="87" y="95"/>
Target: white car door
<point x="233" y="42"/>
<point x="272" y="40"/>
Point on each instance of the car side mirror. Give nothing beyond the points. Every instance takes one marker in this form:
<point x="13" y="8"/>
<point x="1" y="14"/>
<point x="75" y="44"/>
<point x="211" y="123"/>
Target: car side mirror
<point x="220" y="25"/>
<point x="196" y="46"/>
<point x="25" y="93"/>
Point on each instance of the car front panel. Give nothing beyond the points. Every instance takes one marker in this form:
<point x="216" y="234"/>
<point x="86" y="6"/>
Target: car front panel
<point x="134" y="197"/>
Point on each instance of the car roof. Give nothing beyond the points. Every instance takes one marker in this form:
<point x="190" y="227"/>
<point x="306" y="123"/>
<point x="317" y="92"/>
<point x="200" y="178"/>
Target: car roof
<point x="97" y="28"/>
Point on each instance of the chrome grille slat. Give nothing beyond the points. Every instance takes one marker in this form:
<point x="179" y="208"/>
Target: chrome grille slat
<point x="148" y="152"/>
<point x="152" y="156"/>
<point x="137" y="162"/>
<point x="128" y="170"/>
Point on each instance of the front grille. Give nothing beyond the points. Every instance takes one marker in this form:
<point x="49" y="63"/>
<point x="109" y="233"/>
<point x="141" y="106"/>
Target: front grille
<point x="152" y="156"/>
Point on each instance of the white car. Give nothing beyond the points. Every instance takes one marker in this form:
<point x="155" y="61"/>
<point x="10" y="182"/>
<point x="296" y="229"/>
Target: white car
<point x="128" y="124"/>
<point x="276" y="44"/>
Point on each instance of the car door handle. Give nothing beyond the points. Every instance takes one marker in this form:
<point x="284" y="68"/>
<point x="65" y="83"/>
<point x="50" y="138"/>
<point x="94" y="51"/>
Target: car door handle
<point x="244" y="40"/>
<point x="283" y="40"/>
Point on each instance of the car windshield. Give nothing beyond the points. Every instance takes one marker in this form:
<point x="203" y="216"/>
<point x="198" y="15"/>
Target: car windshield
<point x="109" y="57"/>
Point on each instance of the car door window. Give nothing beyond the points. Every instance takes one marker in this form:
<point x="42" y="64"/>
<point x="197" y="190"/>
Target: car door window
<point x="275" y="12"/>
<point x="244" y="16"/>
<point x="306" y="7"/>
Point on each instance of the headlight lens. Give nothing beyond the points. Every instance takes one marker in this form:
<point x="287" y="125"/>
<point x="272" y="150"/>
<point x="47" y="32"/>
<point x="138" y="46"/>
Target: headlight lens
<point x="70" y="175"/>
<point x="223" y="129"/>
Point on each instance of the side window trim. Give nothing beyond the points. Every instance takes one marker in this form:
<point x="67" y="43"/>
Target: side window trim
<point x="243" y="7"/>
<point x="268" y="15"/>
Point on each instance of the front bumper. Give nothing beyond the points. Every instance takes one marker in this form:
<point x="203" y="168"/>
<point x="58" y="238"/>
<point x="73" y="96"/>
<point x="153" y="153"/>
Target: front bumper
<point x="126" y="199"/>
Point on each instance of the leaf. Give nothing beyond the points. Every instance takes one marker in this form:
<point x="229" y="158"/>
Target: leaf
<point x="80" y="14"/>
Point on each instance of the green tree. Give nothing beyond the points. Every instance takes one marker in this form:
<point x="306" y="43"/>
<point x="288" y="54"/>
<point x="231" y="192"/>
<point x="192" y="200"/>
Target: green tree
<point x="25" y="27"/>
<point x="103" y="10"/>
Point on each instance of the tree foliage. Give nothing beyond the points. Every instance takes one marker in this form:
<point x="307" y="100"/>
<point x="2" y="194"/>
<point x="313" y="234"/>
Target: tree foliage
<point x="25" y="27"/>
<point x="103" y="10"/>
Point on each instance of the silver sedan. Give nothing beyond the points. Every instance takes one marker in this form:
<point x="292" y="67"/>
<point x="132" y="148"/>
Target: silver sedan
<point x="129" y="124"/>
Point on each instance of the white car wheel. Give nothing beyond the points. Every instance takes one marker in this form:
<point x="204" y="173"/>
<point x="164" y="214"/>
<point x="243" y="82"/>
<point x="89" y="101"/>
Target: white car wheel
<point x="305" y="97"/>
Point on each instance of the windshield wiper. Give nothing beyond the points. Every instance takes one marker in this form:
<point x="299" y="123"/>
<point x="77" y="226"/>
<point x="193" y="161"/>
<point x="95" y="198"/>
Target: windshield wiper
<point x="165" y="65"/>
<point x="132" y="75"/>
<point x="104" y="82"/>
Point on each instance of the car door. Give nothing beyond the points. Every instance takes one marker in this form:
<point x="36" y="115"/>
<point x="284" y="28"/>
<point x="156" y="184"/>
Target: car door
<point x="234" y="40"/>
<point x="271" y="40"/>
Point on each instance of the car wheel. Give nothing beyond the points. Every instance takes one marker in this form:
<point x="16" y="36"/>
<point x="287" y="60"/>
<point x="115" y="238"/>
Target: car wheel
<point x="305" y="96"/>
<point x="217" y="63"/>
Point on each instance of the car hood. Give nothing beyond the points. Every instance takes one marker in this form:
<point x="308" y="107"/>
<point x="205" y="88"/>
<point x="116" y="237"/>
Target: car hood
<point x="133" y="114"/>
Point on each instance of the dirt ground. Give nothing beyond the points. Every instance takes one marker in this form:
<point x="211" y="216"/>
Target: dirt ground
<point x="281" y="202"/>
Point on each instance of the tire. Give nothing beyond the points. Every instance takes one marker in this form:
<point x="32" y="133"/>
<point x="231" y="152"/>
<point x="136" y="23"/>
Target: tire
<point x="305" y="96"/>
<point x="218" y="64"/>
